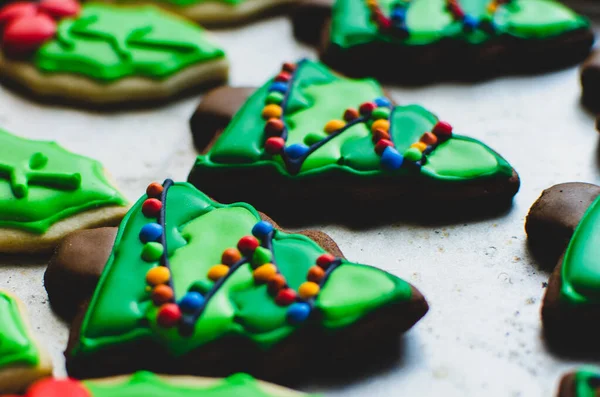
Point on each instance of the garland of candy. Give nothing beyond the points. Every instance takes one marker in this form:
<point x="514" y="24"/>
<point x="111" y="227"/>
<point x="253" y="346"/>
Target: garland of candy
<point x="26" y="26"/>
<point x="376" y="114"/>
<point x="471" y="23"/>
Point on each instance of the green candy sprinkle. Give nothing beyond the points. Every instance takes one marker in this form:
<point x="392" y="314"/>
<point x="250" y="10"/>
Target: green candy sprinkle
<point x="413" y="154"/>
<point x="274" y="98"/>
<point x="152" y="251"/>
<point x="313" y="138"/>
<point x="261" y="256"/>
<point x="380" y="113"/>
<point x="201" y="286"/>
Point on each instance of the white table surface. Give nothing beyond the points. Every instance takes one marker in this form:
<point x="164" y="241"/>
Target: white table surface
<point x="482" y="333"/>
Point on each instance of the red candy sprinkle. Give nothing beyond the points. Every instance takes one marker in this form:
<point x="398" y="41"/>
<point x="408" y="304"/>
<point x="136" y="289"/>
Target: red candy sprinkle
<point x="283" y="76"/>
<point x="154" y="190"/>
<point x="274" y="127"/>
<point x="366" y="108"/>
<point x="381" y="145"/>
<point x="288" y="67"/>
<point x="383" y="22"/>
<point x="274" y="145"/>
<point x="248" y="244"/>
<point x="26" y="34"/>
<point x="16" y="10"/>
<point x="168" y="315"/>
<point x="351" y="114"/>
<point x="325" y="260"/>
<point x="57" y="388"/>
<point x="151" y="207"/>
<point x="442" y="128"/>
<point x="285" y="297"/>
<point x="60" y="8"/>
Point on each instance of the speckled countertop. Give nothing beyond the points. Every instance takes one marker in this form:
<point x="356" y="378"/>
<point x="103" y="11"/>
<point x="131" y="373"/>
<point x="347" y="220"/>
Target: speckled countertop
<point x="482" y="333"/>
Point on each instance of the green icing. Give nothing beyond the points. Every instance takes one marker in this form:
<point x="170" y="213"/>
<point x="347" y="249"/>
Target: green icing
<point x="185" y="3"/>
<point x="108" y="43"/>
<point x="42" y="183"/>
<point x="429" y="21"/>
<point x="199" y="230"/>
<point x="148" y="384"/>
<point x="581" y="263"/>
<point x="16" y="346"/>
<point x="583" y="376"/>
<point x="317" y="96"/>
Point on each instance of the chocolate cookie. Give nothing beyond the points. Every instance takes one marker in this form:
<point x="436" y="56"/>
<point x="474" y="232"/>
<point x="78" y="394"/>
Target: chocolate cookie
<point x="324" y="145"/>
<point x="590" y="82"/>
<point x="585" y="382"/>
<point x="420" y="41"/>
<point x="197" y="287"/>
<point x="563" y="221"/>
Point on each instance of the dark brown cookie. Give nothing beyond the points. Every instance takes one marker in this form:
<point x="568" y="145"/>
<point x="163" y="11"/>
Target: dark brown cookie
<point x="570" y="314"/>
<point x="354" y="45"/>
<point x="583" y="382"/>
<point x="323" y="314"/>
<point x="590" y="81"/>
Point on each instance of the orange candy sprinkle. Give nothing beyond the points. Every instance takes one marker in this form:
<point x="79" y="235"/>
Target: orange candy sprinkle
<point x="272" y="111"/>
<point x="158" y="275"/>
<point x="429" y="138"/>
<point x="381" y="124"/>
<point x="276" y="283"/>
<point x="334" y="125"/>
<point x="420" y="146"/>
<point x="231" y="256"/>
<point x="154" y="190"/>
<point x="162" y="294"/>
<point x="315" y="274"/>
<point x="217" y="272"/>
<point x="264" y="273"/>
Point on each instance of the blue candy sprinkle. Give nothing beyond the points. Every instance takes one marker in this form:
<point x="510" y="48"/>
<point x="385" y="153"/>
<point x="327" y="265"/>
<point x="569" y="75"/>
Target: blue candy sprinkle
<point x="151" y="232"/>
<point x="262" y="229"/>
<point x="469" y="22"/>
<point x="296" y="150"/>
<point x="382" y="102"/>
<point x="391" y="159"/>
<point x="398" y="14"/>
<point x="279" y="86"/>
<point x="191" y="302"/>
<point x="298" y="312"/>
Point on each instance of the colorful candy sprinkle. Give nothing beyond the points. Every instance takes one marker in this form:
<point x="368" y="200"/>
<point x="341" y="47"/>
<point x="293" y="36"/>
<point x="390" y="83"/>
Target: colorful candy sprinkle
<point x="391" y="159"/>
<point x="298" y="312"/>
<point x="248" y="244"/>
<point x="152" y="251"/>
<point x="381" y="145"/>
<point x="151" y="207"/>
<point x="274" y="145"/>
<point x="333" y="126"/>
<point x="276" y="283"/>
<point x="420" y="146"/>
<point x="429" y="138"/>
<point x="158" y="275"/>
<point x="443" y="129"/>
<point x="308" y="289"/>
<point x="161" y="294"/>
<point x="154" y="190"/>
<point x="191" y="302"/>
<point x="381" y="113"/>
<point x="351" y="114"/>
<point x="325" y="260"/>
<point x="380" y="134"/>
<point x="297" y="150"/>
<point x="262" y="229"/>
<point x="283" y="76"/>
<point x="382" y="102"/>
<point x="366" y="108"/>
<point x="315" y="274"/>
<point x="168" y="315"/>
<point x="217" y="272"/>
<point x="264" y="273"/>
<point x="413" y="154"/>
<point x="274" y="98"/>
<point x="274" y="127"/>
<point x="151" y="232"/>
<point x="261" y="256"/>
<point x="231" y="256"/>
<point x="381" y="124"/>
<point x="272" y="111"/>
<point x="285" y="297"/>
<point x="288" y="67"/>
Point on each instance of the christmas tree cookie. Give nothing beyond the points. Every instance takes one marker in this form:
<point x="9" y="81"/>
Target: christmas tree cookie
<point x="416" y="41"/>
<point x="321" y="144"/>
<point x="562" y="229"/>
<point x="22" y="360"/>
<point x="99" y="54"/>
<point x="146" y="384"/>
<point x="585" y="382"/>
<point x="47" y="192"/>
<point x="196" y="287"/>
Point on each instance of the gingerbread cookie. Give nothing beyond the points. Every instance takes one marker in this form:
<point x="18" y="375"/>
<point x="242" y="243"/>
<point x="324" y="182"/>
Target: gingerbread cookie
<point x="562" y="228"/>
<point x="22" y="359"/>
<point x="146" y="384"/>
<point x="427" y="40"/>
<point x="324" y="145"/>
<point x="590" y="82"/>
<point x="585" y="382"/>
<point x="196" y="287"/>
<point x="98" y="54"/>
<point x="47" y="192"/>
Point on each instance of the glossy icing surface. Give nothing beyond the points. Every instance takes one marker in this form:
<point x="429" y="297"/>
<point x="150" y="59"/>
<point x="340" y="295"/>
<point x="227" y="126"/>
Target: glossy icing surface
<point x="581" y="262"/>
<point x="198" y="231"/>
<point x="107" y="43"/>
<point x="587" y="382"/>
<point x="16" y="346"/>
<point x="317" y="96"/>
<point x="429" y="21"/>
<point x="42" y="183"/>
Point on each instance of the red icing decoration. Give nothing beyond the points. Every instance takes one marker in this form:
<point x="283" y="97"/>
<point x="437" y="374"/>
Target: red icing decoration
<point x="381" y="145"/>
<point x="442" y="128"/>
<point x="16" y="10"/>
<point x="366" y="108"/>
<point x="274" y="145"/>
<point x="168" y="315"/>
<point x="151" y="207"/>
<point x="26" y="34"/>
<point x="60" y="8"/>
<point x="58" y="388"/>
<point x="325" y="260"/>
<point x="285" y="297"/>
<point x="248" y="244"/>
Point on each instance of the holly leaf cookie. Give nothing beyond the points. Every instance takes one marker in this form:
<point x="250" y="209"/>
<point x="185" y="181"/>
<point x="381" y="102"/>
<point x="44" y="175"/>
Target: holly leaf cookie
<point x="562" y="229"/>
<point x="325" y="145"/>
<point x="584" y="382"/>
<point x="426" y="40"/>
<point x="99" y="54"/>
<point x="47" y="192"/>
<point x="22" y="359"/>
<point x="148" y="384"/>
<point x="196" y="287"/>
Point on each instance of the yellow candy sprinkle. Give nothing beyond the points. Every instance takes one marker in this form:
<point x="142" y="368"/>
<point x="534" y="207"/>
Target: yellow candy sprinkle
<point x="264" y="273"/>
<point x="217" y="271"/>
<point x="421" y="146"/>
<point x="491" y="8"/>
<point x="272" y="111"/>
<point x="158" y="275"/>
<point x="381" y="124"/>
<point x="308" y="289"/>
<point x="334" y="125"/>
<point x="371" y="3"/>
